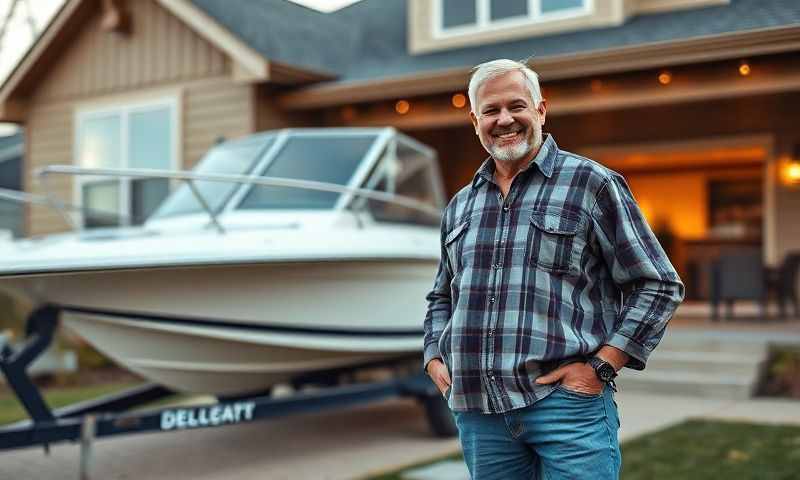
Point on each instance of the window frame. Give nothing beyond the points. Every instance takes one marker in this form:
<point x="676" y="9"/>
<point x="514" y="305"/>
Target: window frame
<point x="483" y="22"/>
<point x="124" y="108"/>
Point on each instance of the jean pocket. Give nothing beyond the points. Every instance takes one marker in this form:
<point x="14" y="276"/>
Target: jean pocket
<point x="581" y="395"/>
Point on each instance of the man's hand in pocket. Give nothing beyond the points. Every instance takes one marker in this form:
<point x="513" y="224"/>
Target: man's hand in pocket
<point x="437" y="370"/>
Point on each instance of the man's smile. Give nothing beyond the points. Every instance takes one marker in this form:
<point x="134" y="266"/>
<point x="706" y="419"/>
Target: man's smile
<point x="507" y="135"/>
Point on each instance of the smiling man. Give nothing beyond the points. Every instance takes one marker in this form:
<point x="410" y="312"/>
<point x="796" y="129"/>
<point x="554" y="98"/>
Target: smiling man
<point x="550" y="282"/>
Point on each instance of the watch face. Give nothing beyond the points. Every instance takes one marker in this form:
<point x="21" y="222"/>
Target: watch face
<point x="606" y="372"/>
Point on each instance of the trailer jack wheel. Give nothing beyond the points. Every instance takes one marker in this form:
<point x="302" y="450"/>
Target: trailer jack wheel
<point x="440" y="418"/>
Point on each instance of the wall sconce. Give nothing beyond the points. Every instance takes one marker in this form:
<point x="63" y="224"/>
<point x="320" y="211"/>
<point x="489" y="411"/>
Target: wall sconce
<point x="790" y="170"/>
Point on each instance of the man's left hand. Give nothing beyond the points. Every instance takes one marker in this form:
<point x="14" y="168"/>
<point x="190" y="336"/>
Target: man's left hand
<point x="577" y="376"/>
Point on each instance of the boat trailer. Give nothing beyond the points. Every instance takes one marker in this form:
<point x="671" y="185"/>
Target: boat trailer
<point x="111" y="415"/>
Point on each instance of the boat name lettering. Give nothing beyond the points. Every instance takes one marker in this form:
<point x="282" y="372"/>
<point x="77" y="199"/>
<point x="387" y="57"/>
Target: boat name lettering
<point x="183" y="418"/>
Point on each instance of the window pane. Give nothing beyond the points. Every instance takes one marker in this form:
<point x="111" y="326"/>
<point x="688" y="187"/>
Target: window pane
<point x="99" y="140"/>
<point x="147" y="195"/>
<point x="322" y="159"/>
<point x="500" y="9"/>
<point x="101" y="200"/>
<point x="549" y="6"/>
<point x="150" y="138"/>
<point x="11" y="217"/>
<point x="456" y="13"/>
<point x="237" y="158"/>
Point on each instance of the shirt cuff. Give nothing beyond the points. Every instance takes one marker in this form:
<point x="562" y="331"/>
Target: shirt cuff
<point x="431" y="352"/>
<point x="637" y="353"/>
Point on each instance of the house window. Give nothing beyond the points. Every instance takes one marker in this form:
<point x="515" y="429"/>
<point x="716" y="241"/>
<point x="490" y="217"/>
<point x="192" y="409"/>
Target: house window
<point x="142" y="136"/>
<point x="466" y="16"/>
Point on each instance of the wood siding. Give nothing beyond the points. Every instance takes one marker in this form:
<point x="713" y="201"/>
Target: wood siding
<point x="161" y="56"/>
<point x="159" y="49"/>
<point x="213" y="111"/>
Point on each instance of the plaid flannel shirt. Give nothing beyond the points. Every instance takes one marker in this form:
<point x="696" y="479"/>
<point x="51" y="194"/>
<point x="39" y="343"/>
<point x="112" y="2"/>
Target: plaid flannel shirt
<point x="563" y="265"/>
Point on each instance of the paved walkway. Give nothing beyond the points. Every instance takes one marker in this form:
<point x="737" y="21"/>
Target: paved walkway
<point x="347" y="444"/>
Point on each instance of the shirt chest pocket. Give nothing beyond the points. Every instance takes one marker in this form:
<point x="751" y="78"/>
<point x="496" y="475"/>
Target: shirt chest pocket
<point x="557" y="242"/>
<point x="454" y="245"/>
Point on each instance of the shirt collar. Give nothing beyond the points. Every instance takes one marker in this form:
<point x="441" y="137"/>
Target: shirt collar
<point x="545" y="159"/>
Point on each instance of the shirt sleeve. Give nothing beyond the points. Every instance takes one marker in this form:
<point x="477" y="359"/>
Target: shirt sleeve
<point x="439" y="305"/>
<point x="650" y="286"/>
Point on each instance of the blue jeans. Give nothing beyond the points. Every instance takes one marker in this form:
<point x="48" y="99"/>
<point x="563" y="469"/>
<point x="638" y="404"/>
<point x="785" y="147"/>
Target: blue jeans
<point x="566" y="435"/>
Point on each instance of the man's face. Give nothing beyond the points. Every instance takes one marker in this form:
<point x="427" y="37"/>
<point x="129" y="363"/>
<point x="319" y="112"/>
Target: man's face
<point x="507" y="122"/>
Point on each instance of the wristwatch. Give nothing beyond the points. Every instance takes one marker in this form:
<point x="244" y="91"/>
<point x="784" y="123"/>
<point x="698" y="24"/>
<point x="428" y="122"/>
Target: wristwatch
<point x="604" y="371"/>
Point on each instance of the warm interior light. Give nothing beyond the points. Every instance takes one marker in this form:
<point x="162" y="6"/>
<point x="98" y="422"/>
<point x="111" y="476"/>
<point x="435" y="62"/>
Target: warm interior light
<point x="459" y="100"/>
<point x="596" y="85"/>
<point x="744" y="69"/>
<point x="664" y="77"/>
<point x="792" y="172"/>
<point x="402" y="107"/>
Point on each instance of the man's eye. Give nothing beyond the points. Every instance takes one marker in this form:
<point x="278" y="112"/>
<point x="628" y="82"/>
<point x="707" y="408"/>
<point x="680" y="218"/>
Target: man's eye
<point x="491" y="111"/>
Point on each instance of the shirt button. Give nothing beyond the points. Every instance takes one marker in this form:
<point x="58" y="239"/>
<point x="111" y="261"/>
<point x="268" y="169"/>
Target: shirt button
<point x="491" y="332"/>
<point x="491" y="299"/>
<point x="506" y="208"/>
<point x="497" y="266"/>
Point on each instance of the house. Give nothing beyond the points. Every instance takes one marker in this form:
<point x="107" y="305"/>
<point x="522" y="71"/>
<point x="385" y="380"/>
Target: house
<point x="694" y="101"/>
<point x="11" y="151"/>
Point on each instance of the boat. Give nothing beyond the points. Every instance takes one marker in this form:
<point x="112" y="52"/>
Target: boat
<point x="280" y="254"/>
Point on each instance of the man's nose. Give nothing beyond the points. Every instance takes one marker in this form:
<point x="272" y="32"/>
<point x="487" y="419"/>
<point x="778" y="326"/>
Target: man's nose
<point x="505" y="118"/>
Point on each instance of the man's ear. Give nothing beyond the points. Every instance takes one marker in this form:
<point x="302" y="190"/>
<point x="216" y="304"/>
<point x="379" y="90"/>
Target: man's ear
<point x="474" y="122"/>
<point x="542" y="109"/>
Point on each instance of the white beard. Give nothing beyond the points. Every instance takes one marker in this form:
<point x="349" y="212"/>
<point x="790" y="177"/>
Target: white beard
<point x="517" y="151"/>
<point x="510" y="153"/>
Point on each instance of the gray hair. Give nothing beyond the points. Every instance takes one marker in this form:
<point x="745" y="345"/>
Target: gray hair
<point x="494" y="68"/>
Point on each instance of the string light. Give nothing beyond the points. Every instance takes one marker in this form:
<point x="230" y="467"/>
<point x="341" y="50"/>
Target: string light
<point x="744" y="68"/>
<point x="402" y="107"/>
<point x="664" y="78"/>
<point x="459" y="100"/>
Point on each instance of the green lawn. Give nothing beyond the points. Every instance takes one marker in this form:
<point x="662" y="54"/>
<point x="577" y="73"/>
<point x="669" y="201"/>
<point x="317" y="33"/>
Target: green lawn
<point x="705" y="450"/>
<point x="12" y="411"/>
<point x="700" y="450"/>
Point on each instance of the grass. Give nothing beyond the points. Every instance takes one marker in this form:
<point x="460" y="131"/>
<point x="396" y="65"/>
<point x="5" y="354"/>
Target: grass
<point x="11" y="410"/>
<point x="702" y="450"/>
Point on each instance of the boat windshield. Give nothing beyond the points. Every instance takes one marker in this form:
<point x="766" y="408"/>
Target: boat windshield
<point x="330" y="158"/>
<point x="239" y="157"/>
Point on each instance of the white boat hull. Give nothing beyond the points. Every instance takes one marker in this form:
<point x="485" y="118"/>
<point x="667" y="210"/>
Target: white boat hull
<point x="231" y="329"/>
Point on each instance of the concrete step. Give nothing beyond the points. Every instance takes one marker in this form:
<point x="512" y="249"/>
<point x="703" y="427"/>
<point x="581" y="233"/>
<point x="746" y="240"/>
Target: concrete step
<point x="734" y="344"/>
<point x="701" y="363"/>
<point x="686" y="383"/>
<point x="731" y="364"/>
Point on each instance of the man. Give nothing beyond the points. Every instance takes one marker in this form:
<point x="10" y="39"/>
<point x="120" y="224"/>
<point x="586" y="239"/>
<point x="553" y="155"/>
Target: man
<point x="550" y="281"/>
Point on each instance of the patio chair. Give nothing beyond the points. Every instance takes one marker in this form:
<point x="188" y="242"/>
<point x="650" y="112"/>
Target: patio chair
<point x="782" y="281"/>
<point x="738" y="276"/>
